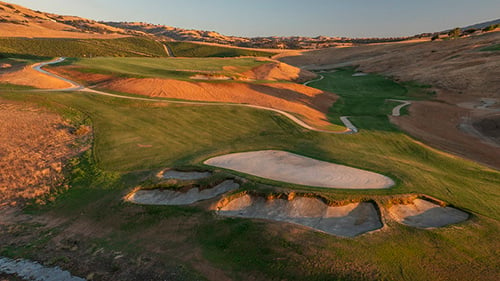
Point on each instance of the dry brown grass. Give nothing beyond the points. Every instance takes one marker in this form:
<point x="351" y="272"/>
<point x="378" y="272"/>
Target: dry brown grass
<point x="27" y="76"/>
<point x="34" y="147"/>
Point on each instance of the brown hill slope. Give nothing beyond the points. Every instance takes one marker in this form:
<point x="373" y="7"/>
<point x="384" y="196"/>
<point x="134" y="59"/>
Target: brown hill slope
<point x="466" y="80"/>
<point x="18" y="21"/>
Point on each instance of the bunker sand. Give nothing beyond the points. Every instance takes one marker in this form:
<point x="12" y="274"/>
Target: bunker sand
<point x="292" y="168"/>
<point x="346" y="221"/>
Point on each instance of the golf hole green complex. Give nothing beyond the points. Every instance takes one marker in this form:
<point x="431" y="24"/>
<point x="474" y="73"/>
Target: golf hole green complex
<point x="292" y="168"/>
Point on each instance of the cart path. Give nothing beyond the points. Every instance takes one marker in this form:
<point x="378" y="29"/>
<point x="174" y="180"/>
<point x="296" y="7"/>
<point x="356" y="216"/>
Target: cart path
<point x="74" y="86"/>
<point x="396" y="111"/>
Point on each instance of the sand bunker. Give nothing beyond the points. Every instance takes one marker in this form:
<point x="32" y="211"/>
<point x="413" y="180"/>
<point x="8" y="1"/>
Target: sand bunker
<point x="288" y="167"/>
<point x="179" y="175"/>
<point x="347" y="221"/>
<point x="424" y="214"/>
<point x="170" y="197"/>
<point x="359" y="74"/>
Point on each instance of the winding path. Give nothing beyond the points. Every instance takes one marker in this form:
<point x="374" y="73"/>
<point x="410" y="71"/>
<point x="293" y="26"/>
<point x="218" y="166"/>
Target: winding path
<point x="396" y="111"/>
<point x="350" y="128"/>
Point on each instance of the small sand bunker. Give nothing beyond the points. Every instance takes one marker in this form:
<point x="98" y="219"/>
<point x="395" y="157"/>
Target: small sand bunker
<point x="359" y="74"/>
<point x="170" y="197"/>
<point x="347" y="221"/>
<point x="180" y="175"/>
<point x="424" y="214"/>
<point x="292" y="168"/>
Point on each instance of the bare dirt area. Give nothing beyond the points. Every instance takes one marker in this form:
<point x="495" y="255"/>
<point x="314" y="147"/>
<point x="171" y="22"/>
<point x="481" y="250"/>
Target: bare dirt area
<point x="288" y="167"/>
<point x="347" y="221"/>
<point x="34" y="147"/>
<point x="456" y="69"/>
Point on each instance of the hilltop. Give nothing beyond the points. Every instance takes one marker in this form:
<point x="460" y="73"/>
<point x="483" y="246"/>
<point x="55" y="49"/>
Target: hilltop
<point x="18" y="21"/>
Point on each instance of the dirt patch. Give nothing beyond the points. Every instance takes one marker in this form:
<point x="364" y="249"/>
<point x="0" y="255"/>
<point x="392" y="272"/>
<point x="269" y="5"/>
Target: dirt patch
<point x="288" y="167"/>
<point x="347" y="221"/>
<point x="34" y="147"/>
<point x="170" y="197"/>
<point x="424" y="214"/>
<point x="180" y="175"/>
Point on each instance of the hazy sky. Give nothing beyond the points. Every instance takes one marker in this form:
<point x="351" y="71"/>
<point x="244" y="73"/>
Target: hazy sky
<point x="350" y="18"/>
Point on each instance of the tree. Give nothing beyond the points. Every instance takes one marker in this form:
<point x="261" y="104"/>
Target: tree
<point x="455" y="32"/>
<point x="435" y="37"/>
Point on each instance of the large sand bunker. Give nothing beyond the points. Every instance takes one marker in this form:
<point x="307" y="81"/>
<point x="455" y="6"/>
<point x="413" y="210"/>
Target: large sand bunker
<point x="288" y="167"/>
<point x="425" y="214"/>
<point x="171" y="197"/>
<point x="348" y="221"/>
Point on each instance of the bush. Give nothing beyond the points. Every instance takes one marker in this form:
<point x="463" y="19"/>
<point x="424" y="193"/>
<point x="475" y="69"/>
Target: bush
<point x="455" y="32"/>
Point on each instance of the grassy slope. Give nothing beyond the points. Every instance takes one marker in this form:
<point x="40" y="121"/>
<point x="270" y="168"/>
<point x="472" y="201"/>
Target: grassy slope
<point x="120" y="47"/>
<point x="185" y="135"/>
<point x="188" y="49"/>
<point x="55" y="47"/>
<point x="178" y="68"/>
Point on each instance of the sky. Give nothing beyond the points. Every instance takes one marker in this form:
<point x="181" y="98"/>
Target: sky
<point x="252" y="18"/>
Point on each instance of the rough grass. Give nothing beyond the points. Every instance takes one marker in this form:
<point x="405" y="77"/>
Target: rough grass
<point x="175" y="68"/>
<point x="491" y="48"/>
<point x="188" y="49"/>
<point x="57" y="47"/>
<point x="245" y="249"/>
<point x="120" y="47"/>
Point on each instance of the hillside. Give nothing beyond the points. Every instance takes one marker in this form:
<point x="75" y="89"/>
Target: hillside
<point x="463" y="117"/>
<point x="18" y="21"/>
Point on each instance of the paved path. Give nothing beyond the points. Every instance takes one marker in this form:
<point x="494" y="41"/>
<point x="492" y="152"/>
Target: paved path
<point x="396" y="111"/>
<point x="350" y="128"/>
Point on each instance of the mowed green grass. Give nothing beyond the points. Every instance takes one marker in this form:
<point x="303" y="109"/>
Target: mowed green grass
<point x="132" y="136"/>
<point x="364" y="98"/>
<point x="177" y="68"/>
